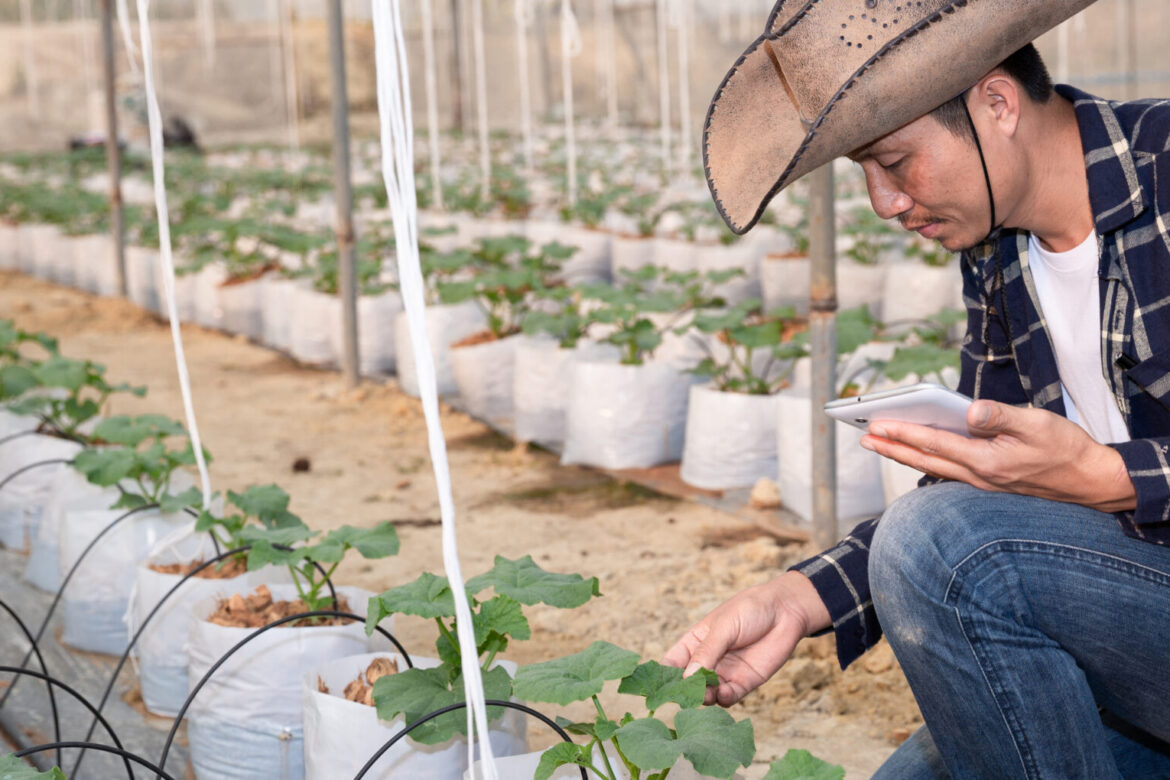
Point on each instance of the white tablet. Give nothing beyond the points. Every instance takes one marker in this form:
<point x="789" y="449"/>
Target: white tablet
<point x="925" y="404"/>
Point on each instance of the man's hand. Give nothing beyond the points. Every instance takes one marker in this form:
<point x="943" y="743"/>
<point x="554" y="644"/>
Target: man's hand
<point x="746" y="639"/>
<point x="1030" y="452"/>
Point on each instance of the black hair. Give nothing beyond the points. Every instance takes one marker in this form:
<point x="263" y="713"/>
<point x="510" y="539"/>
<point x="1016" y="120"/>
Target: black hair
<point x="1025" y="66"/>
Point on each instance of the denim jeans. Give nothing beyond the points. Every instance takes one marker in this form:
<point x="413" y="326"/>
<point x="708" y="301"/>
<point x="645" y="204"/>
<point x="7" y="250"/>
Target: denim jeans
<point x="1018" y="621"/>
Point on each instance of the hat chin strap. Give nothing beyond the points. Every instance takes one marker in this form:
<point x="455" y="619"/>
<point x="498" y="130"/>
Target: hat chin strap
<point x="983" y="162"/>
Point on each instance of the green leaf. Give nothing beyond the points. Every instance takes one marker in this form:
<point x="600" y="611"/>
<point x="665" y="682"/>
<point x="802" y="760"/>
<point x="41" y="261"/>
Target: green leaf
<point x="922" y="360"/>
<point x="381" y="541"/>
<point x="708" y="737"/>
<point x="429" y="596"/>
<point x="106" y="467"/>
<point x="417" y="692"/>
<point x="496" y="621"/>
<point x="265" y="502"/>
<point x="803" y="765"/>
<point x="560" y="754"/>
<point x="661" y="684"/>
<point x="575" y="677"/>
<point x="191" y="497"/>
<point x="529" y="584"/>
<point x="63" y="372"/>
<point x="16" y="380"/>
<point x="12" y="768"/>
<point x="132" y="431"/>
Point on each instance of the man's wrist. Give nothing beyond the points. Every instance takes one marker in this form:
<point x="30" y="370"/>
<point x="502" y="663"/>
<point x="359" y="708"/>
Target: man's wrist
<point x="796" y="593"/>
<point x="1113" y="489"/>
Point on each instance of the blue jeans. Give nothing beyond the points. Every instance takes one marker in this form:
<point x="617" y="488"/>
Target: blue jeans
<point x="1018" y="621"/>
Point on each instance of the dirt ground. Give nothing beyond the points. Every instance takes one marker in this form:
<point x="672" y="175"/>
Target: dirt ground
<point x="662" y="563"/>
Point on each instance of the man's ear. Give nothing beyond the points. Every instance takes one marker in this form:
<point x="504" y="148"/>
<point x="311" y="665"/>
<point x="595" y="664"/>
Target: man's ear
<point x="998" y="98"/>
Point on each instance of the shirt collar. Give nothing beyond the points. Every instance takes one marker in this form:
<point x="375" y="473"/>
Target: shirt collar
<point x="1115" y="192"/>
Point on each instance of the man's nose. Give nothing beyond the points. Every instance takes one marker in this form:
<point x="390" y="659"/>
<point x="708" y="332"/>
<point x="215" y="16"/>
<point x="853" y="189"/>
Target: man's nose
<point x="887" y="199"/>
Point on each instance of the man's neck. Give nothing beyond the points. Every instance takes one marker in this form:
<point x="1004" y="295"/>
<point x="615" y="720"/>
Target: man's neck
<point x="1055" y="206"/>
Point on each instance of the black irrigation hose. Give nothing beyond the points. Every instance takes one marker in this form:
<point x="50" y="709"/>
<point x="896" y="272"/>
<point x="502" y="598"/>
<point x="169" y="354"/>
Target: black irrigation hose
<point x="394" y="740"/>
<point x="17" y="435"/>
<point x="65" y="582"/>
<point x="45" y="669"/>
<point x="162" y="762"/>
<point x="51" y="462"/>
<point x="94" y="746"/>
<point x="51" y="681"/>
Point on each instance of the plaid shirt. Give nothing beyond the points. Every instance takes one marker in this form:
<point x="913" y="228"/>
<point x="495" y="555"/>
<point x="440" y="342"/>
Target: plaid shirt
<point x="1127" y="157"/>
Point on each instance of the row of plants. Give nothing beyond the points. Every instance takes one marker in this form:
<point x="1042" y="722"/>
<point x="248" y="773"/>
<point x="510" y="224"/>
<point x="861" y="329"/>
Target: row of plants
<point x="137" y="460"/>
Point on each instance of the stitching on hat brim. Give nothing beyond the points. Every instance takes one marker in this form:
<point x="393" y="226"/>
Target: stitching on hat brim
<point x="781" y="182"/>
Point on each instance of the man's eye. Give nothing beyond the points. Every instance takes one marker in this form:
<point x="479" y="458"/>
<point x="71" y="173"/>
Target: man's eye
<point x="891" y="166"/>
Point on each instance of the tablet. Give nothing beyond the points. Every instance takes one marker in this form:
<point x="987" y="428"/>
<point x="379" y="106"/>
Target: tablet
<point x="925" y="404"/>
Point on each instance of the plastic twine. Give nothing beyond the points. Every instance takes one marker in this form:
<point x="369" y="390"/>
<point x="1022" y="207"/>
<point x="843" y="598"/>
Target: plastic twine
<point x="32" y="86"/>
<point x="428" y="22"/>
<point x="394" y="112"/>
<point x="485" y="160"/>
<point x="158" y="167"/>
<point x="681" y="20"/>
<point x="524" y="18"/>
<point x="128" y="38"/>
<point x="206" y="12"/>
<point x="570" y="48"/>
<point x="663" y="82"/>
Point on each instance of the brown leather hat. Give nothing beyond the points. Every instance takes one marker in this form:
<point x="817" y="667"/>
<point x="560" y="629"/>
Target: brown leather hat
<point x="830" y="76"/>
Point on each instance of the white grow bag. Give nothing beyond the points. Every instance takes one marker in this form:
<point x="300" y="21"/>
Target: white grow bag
<point x="70" y="491"/>
<point x="161" y="651"/>
<point x="590" y="263"/>
<point x="142" y="282"/>
<point x="311" y="326"/>
<point x="377" y="317"/>
<point x="541" y="384"/>
<point x="785" y="280"/>
<point x="484" y="374"/>
<point x="96" y="264"/>
<point x="245" y="723"/>
<point x="625" y="417"/>
<point x="23" y="499"/>
<point x="276" y="299"/>
<point x="9" y="247"/>
<point x="916" y="291"/>
<point x="730" y="439"/>
<point x="445" y="326"/>
<point x="341" y="735"/>
<point x="95" y="601"/>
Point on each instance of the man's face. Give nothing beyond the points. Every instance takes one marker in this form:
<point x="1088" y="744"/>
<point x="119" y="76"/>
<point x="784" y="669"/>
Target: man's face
<point x="930" y="180"/>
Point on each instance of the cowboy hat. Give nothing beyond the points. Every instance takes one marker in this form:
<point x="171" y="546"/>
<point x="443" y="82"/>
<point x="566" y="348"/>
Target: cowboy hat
<point x="830" y="76"/>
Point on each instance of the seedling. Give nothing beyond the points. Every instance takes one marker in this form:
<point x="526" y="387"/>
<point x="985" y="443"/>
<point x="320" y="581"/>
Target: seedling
<point x="932" y="253"/>
<point x="872" y="236"/>
<point x="855" y="327"/>
<point x="568" y="321"/>
<point x="498" y="620"/>
<point x="746" y="331"/>
<point x="12" y="768"/>
<point x="16" y="366"/>
<point x="76" y="390"/>
<point x="265" y="506"/>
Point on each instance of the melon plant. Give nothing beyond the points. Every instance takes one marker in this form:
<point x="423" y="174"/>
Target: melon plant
<point x="747" y="332"/>
<point x="76" y="391"/>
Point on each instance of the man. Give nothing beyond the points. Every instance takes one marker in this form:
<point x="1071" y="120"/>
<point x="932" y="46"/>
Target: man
<point x="1025" y="588"/>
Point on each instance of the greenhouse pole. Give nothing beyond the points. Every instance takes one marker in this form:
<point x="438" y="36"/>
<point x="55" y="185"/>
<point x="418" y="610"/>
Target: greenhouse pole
<point x="663" y="83"/>
<point x="683" y="10"/>
<point x="428" y="20"/>
<point x="822" y="323"/>
<point x="456" y="69"/>
<point x="524" y="14"/>
<point x="347" y="278"/>
<point x="485" y="161"/>
<point x="113" y="153"/>
<point x="570" y="48"/>
<point x="31" y="82"/>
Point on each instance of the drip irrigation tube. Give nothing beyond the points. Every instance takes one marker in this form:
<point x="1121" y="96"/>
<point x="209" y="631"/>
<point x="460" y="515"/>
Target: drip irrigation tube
<point x="51" y="462"/>
<point x="162" y="762"/>
<point x="65" y="582"/>
<point x="36" y="650"/>
<point x="17" y="435"/>
<point x="450" y="708"/>
<point x="50" y="682"/>
<point x="154" y="610"/>
<point x="95" y="746"/>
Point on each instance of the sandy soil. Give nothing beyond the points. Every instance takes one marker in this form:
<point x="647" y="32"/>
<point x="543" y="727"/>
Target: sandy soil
<point x="662" y="563"/>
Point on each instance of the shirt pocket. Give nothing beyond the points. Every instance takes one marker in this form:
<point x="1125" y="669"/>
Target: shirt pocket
<point x="1151" y="375"/>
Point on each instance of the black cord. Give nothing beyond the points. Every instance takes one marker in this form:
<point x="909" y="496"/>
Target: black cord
<point x="30" y="467"/>
<point x="44" y="668"/>
<point x="983" y="162"/>
<point x="94" y="746"/>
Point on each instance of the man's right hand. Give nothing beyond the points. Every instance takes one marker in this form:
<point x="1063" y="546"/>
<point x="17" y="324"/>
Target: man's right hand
<point x="748" y="638"/>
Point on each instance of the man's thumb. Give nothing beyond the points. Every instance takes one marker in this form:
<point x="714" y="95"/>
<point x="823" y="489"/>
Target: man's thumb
<point x="706" y="656"/>
<point x="986" y="417"/>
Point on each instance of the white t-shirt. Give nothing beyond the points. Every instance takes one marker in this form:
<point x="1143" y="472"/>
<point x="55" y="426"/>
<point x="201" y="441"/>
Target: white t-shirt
<point x="1070" y="297"/>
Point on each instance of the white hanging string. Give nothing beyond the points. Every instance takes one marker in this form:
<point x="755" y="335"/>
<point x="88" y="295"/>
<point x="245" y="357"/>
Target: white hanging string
<point x="288" y="47"/>
<point x="428" y="21"/>
<point x="524" y="18"/>
<point x="681" y="21"/>
<point x="485" y="161"/>
<point x="663" y="83"/>
<point x="128" y="38"/>
<point x="154" y="121"/>
<point x="206" y="13"/>
<point x="81" y="19"/>
<point x="607" y="57"/>
<point x="31" y="82"/>
<point x="570" y="47"/>
<point x="394" y="112"/>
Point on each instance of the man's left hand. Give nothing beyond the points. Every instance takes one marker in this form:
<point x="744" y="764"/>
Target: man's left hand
<point x="1031" y="452"/>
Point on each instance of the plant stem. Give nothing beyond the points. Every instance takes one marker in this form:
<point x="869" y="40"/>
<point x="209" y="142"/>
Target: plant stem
<point x="447" y="633"/>
<point x="600" y="747"/>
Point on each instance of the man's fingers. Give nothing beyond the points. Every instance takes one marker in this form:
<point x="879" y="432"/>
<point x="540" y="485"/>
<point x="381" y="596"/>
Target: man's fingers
<point x="988" y="418"/>
<point x="679" y="656"/>
<point x="935" y="465"/>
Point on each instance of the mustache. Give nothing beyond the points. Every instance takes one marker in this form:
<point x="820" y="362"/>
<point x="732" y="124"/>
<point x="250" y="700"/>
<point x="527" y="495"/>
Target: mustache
<point x="912" y="222"/>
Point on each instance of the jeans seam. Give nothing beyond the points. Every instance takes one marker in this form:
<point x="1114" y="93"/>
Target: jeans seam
<point x="954" y="588"/>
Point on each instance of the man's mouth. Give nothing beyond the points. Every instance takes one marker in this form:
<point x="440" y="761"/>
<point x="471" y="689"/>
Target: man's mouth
<point x="925" y="229"/>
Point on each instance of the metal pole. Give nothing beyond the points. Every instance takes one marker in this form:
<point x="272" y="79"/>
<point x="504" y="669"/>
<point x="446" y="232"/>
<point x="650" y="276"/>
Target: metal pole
<point x="31" y="81"/>
<point x="822" y="316"/>
<point x="456" y="69"/>
<point x="347" y="276"/>
<point x="113" y="153"/>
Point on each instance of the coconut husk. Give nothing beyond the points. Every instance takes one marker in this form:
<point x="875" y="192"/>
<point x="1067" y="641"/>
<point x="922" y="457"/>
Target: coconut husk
<point x="361" y="689"/>
<point x="258" y="609"/>
<point x="225" y="570"/>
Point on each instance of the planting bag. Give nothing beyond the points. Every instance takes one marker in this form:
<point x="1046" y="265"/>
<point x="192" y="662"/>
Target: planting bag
<point x="541" y="384"/>
<point x="859" y="482"/>
<point x="9" y="247"/>
<point x="629" y="253"/>
<point x="276" y="304"/>
<point x="484" y="374"/>
<point x="741" y="256"/>
<point x="245" y="723"/>
<point x="241" y="308"/>
<point x="589" y="264"/>
<point x="26" y="495"/>
<point x="341" y="735"/>
<point x="445" y="326"/>
<point x="95" y="264"/>
<point x="730" y="439"/>
<point x="311" y="324"/>
<point x="377" y="343"/>
<point x="142" y="277"/>
<point x="161" y="651"/>
<point x="625" y="417"/>
<point x="69" y="491"/>
<point x="95" y="600"/>
<point x="915" y="291"/>
<point x="20" y="514"/>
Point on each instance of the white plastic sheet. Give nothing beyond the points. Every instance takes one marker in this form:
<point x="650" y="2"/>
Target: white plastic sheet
<point x="25" y="496"/>
<point x="484" y="374"/>
<point x="311" y="328"/>
<point x="241" y="307"/>
<point x="445" y="326"/>
<point x="69" y="491"/>
<point x="377" y="320"/>
<point x="95" y="600"/>
<point x="622" y="417"/>
<point x="245" y="723"/>
<point x="9" y="247"/>
<point x="730" y="439"/>
<point x="541" y="385"/>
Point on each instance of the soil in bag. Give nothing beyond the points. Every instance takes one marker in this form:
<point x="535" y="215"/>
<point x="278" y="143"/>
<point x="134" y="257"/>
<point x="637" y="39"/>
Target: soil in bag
<point x="233" y="567"/>
<point x="361" y="688"/>
<point x="258" y="610"/>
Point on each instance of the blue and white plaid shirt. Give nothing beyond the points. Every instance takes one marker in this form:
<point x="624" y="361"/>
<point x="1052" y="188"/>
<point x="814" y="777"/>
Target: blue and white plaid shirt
<point x="1127" y="157"/>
